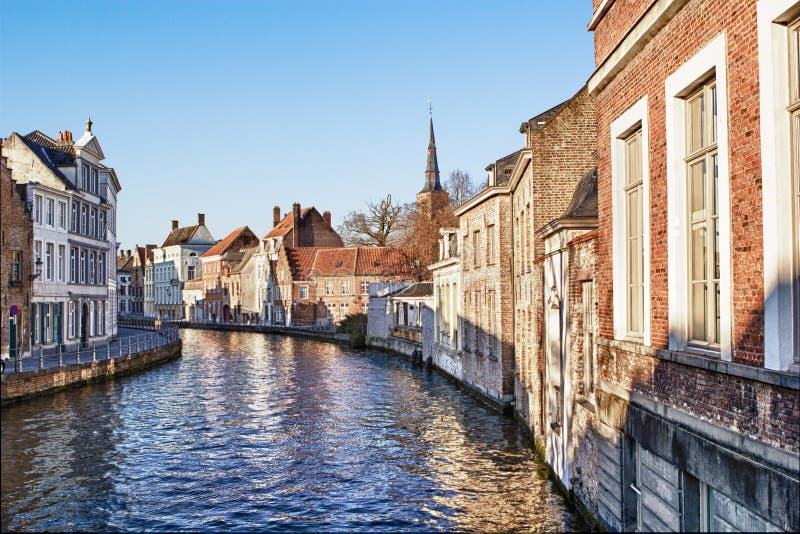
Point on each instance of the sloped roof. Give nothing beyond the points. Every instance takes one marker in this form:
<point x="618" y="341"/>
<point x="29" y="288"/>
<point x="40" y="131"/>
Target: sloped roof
<point x="539" y="121"/>
<point x="223" y="245"/>
<point x="417" y="290"/>
<point x="124" y="263"/>
<point x="180" y="236"/>
<point x="584" y="199"/>
<point x="247" y="255"/>
<point x="195" y="283"/>
<point x="383" y="261"/>
<point x="50" y="153"/>
<point x="285" y="226"/>
<point x="301" y="261"/>
<point x="335" y="261"/>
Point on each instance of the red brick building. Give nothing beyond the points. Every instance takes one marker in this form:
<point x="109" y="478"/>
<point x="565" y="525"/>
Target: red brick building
<point x="697" y="264"/>
<point x="16" y="239"/>
<point x="217" y="263"/>
<point x="319" y="286"/>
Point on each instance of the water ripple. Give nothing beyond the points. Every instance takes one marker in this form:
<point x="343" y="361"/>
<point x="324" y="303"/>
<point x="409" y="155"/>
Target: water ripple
<point x="252" y="432"/>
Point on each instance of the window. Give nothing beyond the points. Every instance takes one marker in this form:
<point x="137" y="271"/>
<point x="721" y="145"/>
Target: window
<point x="365" y="308"/>
<point x="304" y="292"/>
<point x="37" y="209"/>
<point x="84" y="268"/>
<point x="34" y="324"/>
<point x="92" y="268"/>
<point x="587" y="294"/>
<point x="73" y="225"/>
<point x="346" y="287"/>
<point x="62" y="215"/>
<point x="93" y="220"/>
<point x="465" y="251"/>
<point x="95" y="182"/>
<point x="490" y="234"/>
<point x="73" y="265"/>
<point x="37" y="252"/>
<point x="73" y="318"/>
<point x="51" y="208"/>
<point x="364" y="287"/>
<point x="62" y="253"/>
<point x="634" y="235"/>
<point x="15" y="260"/>
<point x="101" y="256"/>
<point x="345" y="310"/>
<point x="85" y="178"/>
<point x="84" y="219"/>
<point x="47" y="335"/>
<point x="190" y="272"/>
<point x="476" y="257"/>
<point x="703" y="216"/>
<point x="102" y="233"/>
<point x="329" y="288"/>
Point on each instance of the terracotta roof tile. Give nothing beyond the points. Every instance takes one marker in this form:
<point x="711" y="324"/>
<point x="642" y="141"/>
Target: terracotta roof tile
<point x="224" y="244"/>
<point x="387" y="261"/>
<point x="180" y="236"/>
<point x="301" y="261"/>
<point x="285" y="226"/>
<point x="335" y="261"/>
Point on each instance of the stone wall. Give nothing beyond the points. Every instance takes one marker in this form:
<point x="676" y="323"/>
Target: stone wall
<point x="19" y="386"/>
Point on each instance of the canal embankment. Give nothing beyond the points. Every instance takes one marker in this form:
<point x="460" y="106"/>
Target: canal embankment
<point x="303" y="332"/>
<point x="26" y="384"/>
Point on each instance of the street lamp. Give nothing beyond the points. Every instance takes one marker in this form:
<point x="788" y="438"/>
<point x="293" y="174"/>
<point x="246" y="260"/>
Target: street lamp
<point x="38" y="270"/>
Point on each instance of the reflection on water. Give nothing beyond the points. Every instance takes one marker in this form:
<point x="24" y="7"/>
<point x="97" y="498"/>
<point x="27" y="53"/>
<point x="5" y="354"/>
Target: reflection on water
<point x="248" y="432"/>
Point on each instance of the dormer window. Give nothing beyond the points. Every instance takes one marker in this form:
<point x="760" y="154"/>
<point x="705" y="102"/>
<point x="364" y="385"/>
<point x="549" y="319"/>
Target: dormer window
<point x="85" y="178"/>
<point x="95" y="182"/>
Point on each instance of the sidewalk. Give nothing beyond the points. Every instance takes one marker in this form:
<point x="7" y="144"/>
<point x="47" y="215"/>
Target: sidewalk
<point x="128" y="341"/>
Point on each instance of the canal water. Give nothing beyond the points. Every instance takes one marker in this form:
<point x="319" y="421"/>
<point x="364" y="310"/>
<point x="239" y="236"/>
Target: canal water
<point x="256" y="432"/>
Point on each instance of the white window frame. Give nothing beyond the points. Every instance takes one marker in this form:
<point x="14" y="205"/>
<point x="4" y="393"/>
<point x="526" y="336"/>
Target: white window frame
<point x="633" y="118"/>
<point x="711" y="60"/>
<point x="776" y="160"/>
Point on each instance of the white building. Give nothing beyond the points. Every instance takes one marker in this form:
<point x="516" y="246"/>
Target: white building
<point x="175" y="262"/>
<point x="73" y="197"/>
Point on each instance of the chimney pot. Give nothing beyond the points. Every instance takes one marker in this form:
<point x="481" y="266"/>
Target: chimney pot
<point x="129" y="253"/>
<point x="174" y="224"/>
<point x="201" y="219"/>
<point x="327" y="216"/>
<point x="276" y="216"/>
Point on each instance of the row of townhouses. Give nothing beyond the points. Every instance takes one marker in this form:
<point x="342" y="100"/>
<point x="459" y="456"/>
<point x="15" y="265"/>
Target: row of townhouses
<point x="59" y="205"/>
<point x="628" y="282"/>
<point x="299" y="273"/>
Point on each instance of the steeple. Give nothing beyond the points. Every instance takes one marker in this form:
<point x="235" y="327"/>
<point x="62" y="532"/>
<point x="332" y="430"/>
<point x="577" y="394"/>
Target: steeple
<point x="432" y="170"/>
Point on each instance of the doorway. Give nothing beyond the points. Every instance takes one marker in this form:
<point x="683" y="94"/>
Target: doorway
<point x="85" y="324"/>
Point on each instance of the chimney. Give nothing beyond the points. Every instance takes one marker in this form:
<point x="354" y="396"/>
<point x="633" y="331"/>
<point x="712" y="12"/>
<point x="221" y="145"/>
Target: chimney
<point x="276" y="216"/>
<point x="327" y="216"/>
<point x="295" y="223"/>
<point x="201" y="219"/>
<point x="129" y="253"/>
<point x="174" y="225"/>
<point x="64" y="138"/>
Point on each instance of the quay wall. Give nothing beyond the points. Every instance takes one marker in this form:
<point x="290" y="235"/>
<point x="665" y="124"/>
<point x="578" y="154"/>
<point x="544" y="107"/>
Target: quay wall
<point x="280" y="330"/>
<point x="20" y="386"/>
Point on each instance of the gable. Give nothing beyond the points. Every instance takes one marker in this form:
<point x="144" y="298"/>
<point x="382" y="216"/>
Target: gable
<point x="89" y="143"/>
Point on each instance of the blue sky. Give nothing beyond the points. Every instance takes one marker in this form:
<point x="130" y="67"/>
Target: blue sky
<point x="229" y="108"/>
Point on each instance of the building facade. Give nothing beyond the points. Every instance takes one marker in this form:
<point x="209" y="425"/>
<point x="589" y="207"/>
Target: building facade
<point x="697" y="247"/>
<point x="445" y="350"/>
<point x="217" y="264"/>
<point x="124" y="282"/>
<point x="176" y="261"/>
<point x="16" y="265"/>
<point x="73" y="198"/>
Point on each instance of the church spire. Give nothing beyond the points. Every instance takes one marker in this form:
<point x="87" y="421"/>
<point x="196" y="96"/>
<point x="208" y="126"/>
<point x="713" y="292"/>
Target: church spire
<point x="432" y="170"/>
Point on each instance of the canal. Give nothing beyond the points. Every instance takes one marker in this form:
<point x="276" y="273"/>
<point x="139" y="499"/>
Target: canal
<point x="256" y="432"/>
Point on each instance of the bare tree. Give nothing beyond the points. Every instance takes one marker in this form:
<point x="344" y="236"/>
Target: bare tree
<point x="460" y="187"/>
<point x="381" y="224"/>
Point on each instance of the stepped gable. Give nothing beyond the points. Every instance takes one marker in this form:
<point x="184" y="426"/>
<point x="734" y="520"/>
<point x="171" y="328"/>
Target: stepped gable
<point x="181" y="236"/>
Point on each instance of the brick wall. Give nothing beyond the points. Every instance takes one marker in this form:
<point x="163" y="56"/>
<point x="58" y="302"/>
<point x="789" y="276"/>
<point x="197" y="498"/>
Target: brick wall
<point x="487" y="328"/>
<point x="17" y="234"/>
<point x="691" y="29"/>
<point x="614" y="24"/>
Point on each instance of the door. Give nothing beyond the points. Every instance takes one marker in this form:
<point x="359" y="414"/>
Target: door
<point x="84" y="323"/>
<point x="58" y="323"/>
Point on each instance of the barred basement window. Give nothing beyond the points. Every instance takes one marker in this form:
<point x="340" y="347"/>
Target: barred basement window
<point x="703" y="216"/>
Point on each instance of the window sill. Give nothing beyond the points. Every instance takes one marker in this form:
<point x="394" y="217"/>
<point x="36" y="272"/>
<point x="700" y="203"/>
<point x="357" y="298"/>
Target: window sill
<point x="786" y="379"/>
